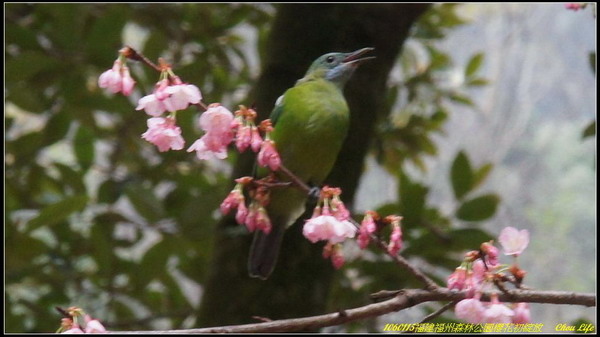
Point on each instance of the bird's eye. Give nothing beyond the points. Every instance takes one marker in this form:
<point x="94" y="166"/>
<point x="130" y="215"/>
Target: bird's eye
<point x="330" y="59"/>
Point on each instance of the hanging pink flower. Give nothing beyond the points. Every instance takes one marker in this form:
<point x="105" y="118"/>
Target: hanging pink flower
<point x="367" y="227"/>
<point x="395" y="240"/>
<point x="232" y="201"/>
<point x="263" y="222"/>
<point x="257" y="140"/>
<point x="243" y="138"/>
<point x="92" y="325"/>
<point x="497" y="313"/>
<point x="340" y="211"/>
<point x="180" y="96"/>
<point x="522" y="314"/>
<point x="216" y="121"/>
<point x="457" y="279"/>
<point x="153" y="104"/>
<point x="168" y="97"/>
<point x="268" y="155"/>
<point x="334" y="253"/>
<point x="205" y="152"/>
<point x="513" y="241"/>
<point x="470" y="310"/>
<point x="117" y="79"/>
<point x="491" y="253"/>
<point x="327" y="227"/>
<point x="163" y="133"/>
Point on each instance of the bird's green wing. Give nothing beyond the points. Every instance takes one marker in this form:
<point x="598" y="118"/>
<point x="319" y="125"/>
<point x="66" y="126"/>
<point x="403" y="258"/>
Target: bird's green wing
<point x="277" y="110"/>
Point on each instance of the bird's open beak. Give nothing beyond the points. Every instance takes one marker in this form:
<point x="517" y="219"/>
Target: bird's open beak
<point x="355" y="57"/>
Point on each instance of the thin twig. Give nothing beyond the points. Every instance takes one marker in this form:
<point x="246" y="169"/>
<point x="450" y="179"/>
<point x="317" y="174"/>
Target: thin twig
<point x="133" y="54"/>
<point x="295" y="180"/>
<point x="438" y="312"/>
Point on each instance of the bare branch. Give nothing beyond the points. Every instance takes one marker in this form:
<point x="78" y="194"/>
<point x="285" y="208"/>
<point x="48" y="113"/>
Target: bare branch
<point x="404" y="299"/>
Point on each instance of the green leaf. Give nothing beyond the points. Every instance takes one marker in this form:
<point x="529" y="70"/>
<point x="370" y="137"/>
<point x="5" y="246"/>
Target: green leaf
<point x="26" y="98"/>
<point x="71" y="178"/>
<point x="57" y="212"/>
<point x="458" y="98"/>
<point x="27" y="65"/>
<point x="481" y="174"/>
<point x="461" y="175"/>
<point x="412" y="198"/>
<point x="83" y="145"/>
<point x="473" y="65"/>
<point x="109" y="192"/>
<point x="477" y="82"/>
<point x="589" y="131"/>
<point x="145" y="202"/>
<point x="57" y="127"/>
<point x="478" y="209"/>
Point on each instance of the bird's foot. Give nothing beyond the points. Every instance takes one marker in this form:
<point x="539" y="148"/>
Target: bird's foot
<point x="314" y="194"/>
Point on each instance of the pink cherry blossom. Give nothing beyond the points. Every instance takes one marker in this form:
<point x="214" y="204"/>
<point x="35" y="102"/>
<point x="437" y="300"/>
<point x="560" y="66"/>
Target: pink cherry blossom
<point x="522" y="314"/>
<point x="367" y="227"/>
<point x="470" y="310"/>
<point x="232" y="201"/>
<point x="479" y="271"/>
<point x="457" y="279"/>
<point x="268" y="155"/>
<point x="334" y="253"/>
<point x="170" y="98"/>
<point x="263" y="222"/>
<point x="242" y="213"/>
<point x="513" y="241"/>
<point x="251" y="218"/>
<point x="340" y="211"/>
<point x="117" y="79"/>
<point x="93" y="325"/>
<point x="491" y="253"/>
<point x="127" y="82"/>
<point x="337" y="258"/>
<point x="180" y="96"/>
<point x="327" y="227"/>
<point x="163" y="133"/>
<point x="205" y="152"/>
<point x="497" y="313"/>
<point x="257" y="140"/>
<point x="217" y="119"/>
<point x="243" y="138"/>
<point x="153" y="104"/>
<point x="395" y="240"/>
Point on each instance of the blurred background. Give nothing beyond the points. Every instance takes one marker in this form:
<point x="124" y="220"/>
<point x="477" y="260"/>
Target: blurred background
<point x="485" y="119"/>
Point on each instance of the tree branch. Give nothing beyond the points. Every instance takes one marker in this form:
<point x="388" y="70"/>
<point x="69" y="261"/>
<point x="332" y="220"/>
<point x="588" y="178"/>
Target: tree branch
<point x="399" y="260"/>
<point x="403" y="299"/>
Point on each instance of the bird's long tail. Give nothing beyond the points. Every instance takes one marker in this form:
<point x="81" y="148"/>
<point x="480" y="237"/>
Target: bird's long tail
<point x="264" y="251"/>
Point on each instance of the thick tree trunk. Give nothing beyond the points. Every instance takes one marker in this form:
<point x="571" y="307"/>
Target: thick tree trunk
<point x="300" y="283"/>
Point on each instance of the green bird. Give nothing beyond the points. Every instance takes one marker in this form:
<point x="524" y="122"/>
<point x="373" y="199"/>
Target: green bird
<point x="310" y="124"/>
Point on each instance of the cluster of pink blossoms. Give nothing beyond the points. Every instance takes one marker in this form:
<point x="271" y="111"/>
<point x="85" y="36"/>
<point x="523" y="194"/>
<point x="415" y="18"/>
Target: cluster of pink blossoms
<point x="254" y="216"/>
<point x="117" y="79"/>
<point x="73" y="324"/>
<point x="369" y="226"/>
<point x="330" y="222"/>
<point x="170" y="95"/>
<point x="478" y="273"/>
